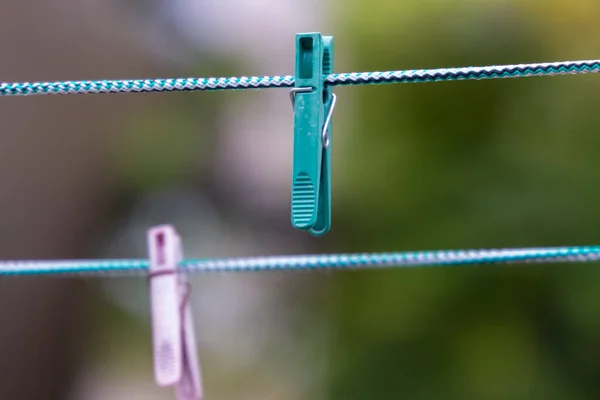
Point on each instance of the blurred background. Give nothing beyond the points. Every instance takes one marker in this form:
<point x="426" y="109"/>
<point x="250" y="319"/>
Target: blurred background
<point x="499" y="163"/>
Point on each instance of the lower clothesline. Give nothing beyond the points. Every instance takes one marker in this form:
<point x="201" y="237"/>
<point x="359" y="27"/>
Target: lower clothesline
<point x="124" y="267"/>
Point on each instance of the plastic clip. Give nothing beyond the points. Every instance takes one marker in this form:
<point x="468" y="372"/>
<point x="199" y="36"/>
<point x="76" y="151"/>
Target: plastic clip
<point x="173" y="338"/>
<point x="313" y="103"/>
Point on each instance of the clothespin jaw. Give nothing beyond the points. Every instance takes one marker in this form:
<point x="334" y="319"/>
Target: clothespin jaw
<point x="313" y="105"/>
<point x="173" y="338"/>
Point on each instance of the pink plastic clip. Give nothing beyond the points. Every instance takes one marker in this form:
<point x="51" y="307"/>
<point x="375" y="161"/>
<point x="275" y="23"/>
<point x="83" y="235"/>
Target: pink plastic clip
<point x="174" y="342"/>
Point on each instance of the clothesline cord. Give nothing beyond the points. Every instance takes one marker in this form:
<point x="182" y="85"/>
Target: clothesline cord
<point x="311" y="262"/>
<point x="265" y="82"/>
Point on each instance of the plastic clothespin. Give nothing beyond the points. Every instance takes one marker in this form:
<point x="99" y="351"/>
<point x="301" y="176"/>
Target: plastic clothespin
<point x="313" y="103"/>
<point x="175" y="354"/>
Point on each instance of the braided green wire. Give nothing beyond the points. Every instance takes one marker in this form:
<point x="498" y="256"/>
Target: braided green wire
<point x="311" y="262"/>
<point x="264" y="82"/>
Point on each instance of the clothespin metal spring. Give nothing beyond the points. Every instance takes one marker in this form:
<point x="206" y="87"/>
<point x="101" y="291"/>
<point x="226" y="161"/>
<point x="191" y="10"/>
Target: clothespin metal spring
<point x="325" y="132"/>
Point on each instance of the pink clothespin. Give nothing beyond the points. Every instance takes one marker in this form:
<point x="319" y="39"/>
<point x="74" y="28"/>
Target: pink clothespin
<point x="174" y="342"/>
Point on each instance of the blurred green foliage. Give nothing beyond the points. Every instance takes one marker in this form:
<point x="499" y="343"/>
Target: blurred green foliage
<point x="498" y="163"/>
<point x="172" y="138"/>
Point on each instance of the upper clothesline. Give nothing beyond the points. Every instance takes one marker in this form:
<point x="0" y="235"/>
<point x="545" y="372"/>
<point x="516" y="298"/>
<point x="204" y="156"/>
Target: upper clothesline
<point x="287" y="81"/>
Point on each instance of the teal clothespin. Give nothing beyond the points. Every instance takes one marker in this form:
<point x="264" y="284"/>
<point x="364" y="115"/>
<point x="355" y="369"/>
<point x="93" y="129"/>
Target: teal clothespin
<point x="313" y="103"/>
